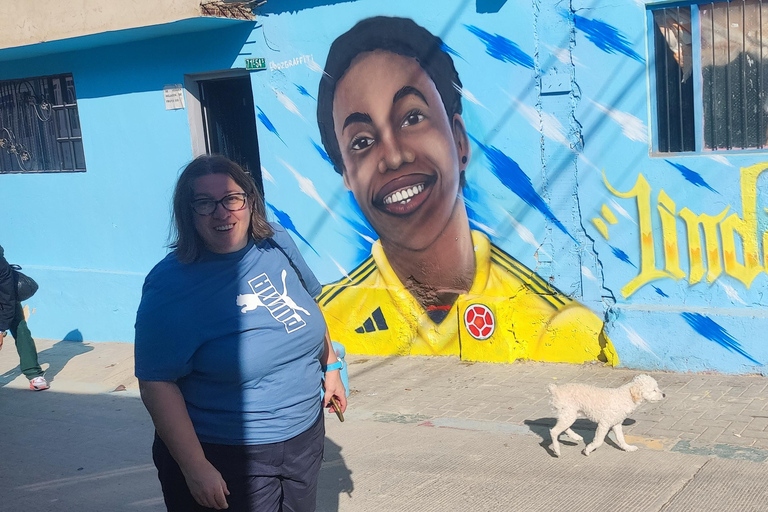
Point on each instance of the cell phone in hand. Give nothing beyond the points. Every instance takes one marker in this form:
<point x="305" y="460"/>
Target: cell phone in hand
<point x="337" y="408"/>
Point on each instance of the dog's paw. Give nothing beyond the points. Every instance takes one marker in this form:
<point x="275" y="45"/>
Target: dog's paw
<point x="555" y="449"/>
<point x="630" y="448"/>
<point x="586" y="452"/>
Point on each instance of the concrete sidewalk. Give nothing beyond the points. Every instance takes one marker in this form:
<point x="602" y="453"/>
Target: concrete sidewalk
<point x="421" y="433"/>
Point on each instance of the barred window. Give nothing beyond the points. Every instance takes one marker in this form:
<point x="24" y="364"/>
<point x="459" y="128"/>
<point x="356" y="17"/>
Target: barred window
<point x="40" y="125"/>
<point x="711" y="76"/>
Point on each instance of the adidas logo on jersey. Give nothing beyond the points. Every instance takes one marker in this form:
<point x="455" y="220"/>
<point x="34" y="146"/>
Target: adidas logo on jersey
<point x="373" y="323"/>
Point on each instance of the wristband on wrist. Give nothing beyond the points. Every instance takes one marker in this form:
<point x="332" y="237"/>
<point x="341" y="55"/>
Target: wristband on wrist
<point x="333" y="366"/>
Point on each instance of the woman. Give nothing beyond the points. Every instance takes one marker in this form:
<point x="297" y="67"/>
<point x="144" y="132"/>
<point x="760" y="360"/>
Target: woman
<point x="389" y="114"/>
<point x="230" y="349"/>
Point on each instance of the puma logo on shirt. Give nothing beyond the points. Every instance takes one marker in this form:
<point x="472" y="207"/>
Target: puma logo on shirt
<point x="280" y="305"/>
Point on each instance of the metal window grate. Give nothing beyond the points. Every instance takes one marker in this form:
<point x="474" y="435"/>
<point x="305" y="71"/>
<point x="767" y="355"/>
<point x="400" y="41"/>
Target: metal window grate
<point x="674" y="81"/>
<point x="733" y="74"/>
<point x="40" y="125"/>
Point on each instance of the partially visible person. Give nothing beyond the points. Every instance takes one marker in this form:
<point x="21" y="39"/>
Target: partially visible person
<point x="231" y="352"/>
<point x="12" y="318"/>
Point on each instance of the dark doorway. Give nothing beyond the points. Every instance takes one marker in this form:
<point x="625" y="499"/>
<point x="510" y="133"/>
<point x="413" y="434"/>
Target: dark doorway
<point x="229" y="122"/>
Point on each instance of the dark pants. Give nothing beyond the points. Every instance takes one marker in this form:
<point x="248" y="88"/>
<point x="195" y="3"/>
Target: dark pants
<point x="275" y="477"/>
<point x="25" y="344"/>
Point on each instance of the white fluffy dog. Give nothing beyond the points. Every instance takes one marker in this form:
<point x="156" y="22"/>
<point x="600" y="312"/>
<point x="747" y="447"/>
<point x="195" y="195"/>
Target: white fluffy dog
<point x="608" y="407"/>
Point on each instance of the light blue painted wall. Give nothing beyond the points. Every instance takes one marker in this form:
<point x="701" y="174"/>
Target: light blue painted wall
<point x="89" y="238"/>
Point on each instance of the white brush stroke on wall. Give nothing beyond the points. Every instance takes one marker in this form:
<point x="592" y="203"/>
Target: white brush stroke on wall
<point x="632" y="127"/>
<point x="636" y="340"/>
<point x="306" y="186"/>
<point x="720" y="159"/>
<point x="731" y="292"/>
<point x="265" y="174"/>
<point x="564" y="56"/>
<point x="314" y="66"/>
<point x="289" y="105"/>
<point x="526" y="235"/>
<point x="588" y="274"/>
<point x="543" y="122"/>
<point x="469" y="96"/>
<point x="341" y="269"/>
<point x="624" y="213"/>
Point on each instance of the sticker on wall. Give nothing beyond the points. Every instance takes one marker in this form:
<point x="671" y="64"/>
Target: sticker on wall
<point x="174" y="96"/>
<point x="479" y="321"/>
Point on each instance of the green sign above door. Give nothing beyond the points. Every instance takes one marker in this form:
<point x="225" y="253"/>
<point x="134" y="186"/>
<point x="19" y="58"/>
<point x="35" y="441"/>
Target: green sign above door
<point x="255" y="64"/>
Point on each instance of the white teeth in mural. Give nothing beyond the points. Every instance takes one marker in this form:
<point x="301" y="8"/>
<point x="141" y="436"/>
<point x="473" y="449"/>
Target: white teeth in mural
<point x="289" y="105"/>
<point x="588" y="274"/>
<point x="636" y="340"/>
<point x="306" y="186"/>
<point x="525" y="234"/>
<point x="224" y="228"/>
<point x="632" y="127"/>
<point x="731" y="292"/>
<point x="624" y="213"/>
<point x="265" y="175"/>
<point x="404" y="196"/>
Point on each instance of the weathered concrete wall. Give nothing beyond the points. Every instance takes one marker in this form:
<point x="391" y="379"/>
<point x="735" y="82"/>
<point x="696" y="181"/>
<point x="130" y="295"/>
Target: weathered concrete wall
<point x="36" y="21"/>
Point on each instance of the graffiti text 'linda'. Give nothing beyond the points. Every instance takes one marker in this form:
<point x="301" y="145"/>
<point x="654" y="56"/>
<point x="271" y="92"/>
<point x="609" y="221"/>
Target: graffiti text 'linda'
<point x="739" y="235"/>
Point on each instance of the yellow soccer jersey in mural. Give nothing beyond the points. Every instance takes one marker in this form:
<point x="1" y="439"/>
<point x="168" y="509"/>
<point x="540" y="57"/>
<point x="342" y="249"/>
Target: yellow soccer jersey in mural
<point x="509" y="313"/>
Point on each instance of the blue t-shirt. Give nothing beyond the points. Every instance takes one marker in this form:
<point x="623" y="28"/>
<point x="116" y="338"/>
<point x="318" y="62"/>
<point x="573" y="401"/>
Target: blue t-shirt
<point x="240" y="336"/>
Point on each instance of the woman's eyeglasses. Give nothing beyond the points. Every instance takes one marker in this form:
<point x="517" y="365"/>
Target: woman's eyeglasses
<point x="232" y="202"/>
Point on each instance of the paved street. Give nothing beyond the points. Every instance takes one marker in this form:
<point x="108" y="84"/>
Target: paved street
<point x="427" y="434"/>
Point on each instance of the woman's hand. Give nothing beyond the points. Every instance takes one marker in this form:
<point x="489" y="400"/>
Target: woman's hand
<point x="206" y="485"/>
<point x="334" y="387"/>
<point x="165" y="404"/>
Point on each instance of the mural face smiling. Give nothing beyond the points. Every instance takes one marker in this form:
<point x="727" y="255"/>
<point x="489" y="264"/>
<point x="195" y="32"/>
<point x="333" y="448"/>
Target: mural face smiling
<point x="402" y="155"/>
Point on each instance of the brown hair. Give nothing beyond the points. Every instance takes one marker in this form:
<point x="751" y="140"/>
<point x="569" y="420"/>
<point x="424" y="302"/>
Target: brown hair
<point x="185" y="239"/>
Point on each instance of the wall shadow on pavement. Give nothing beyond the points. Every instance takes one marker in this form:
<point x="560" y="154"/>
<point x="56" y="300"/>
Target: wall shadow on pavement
<point x="585" y="428"/>
<point x="57" y="357"/>
<point x="76" y="452"/>
<point x="335" y="478"/>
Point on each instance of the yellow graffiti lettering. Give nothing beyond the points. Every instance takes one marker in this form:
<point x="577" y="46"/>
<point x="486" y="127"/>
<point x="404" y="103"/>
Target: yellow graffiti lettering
<point x="739" y="236"/>
<point x="666" y="209"/>
<point x="708" y="224"/>
<point x="641" y="191"/>
<point x="601" y="227"/>
<point x="746" y="228"/>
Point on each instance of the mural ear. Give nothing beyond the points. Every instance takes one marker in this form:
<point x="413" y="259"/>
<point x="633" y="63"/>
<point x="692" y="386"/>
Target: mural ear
<point x="462" y="141"/>
<point x="344" y="176"/>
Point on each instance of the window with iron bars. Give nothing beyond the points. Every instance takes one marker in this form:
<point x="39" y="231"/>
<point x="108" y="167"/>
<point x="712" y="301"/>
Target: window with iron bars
<point x="40" y="125"/>
<point x="710" y="66"/>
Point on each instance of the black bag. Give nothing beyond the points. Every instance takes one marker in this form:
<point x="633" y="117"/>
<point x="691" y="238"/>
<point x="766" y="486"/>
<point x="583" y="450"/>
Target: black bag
<point x="25" y="285"/>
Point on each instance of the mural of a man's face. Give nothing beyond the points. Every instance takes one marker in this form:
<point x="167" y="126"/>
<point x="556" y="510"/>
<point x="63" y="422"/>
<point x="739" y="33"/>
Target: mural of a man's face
<point x="402" y="154"/>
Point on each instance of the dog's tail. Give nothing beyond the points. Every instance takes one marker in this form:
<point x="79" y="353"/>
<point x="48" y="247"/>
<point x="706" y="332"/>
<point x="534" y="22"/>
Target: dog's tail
<point x="552" y="388"/>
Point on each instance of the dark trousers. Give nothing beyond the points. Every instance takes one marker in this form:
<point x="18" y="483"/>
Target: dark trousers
<point x="275" y="477"/>
<point x="25" y="344"/>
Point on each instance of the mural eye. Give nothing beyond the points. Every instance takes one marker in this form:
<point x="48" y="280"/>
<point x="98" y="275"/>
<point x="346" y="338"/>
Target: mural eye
<point x="413" y="117"/>
<point x="360" y="143"/>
